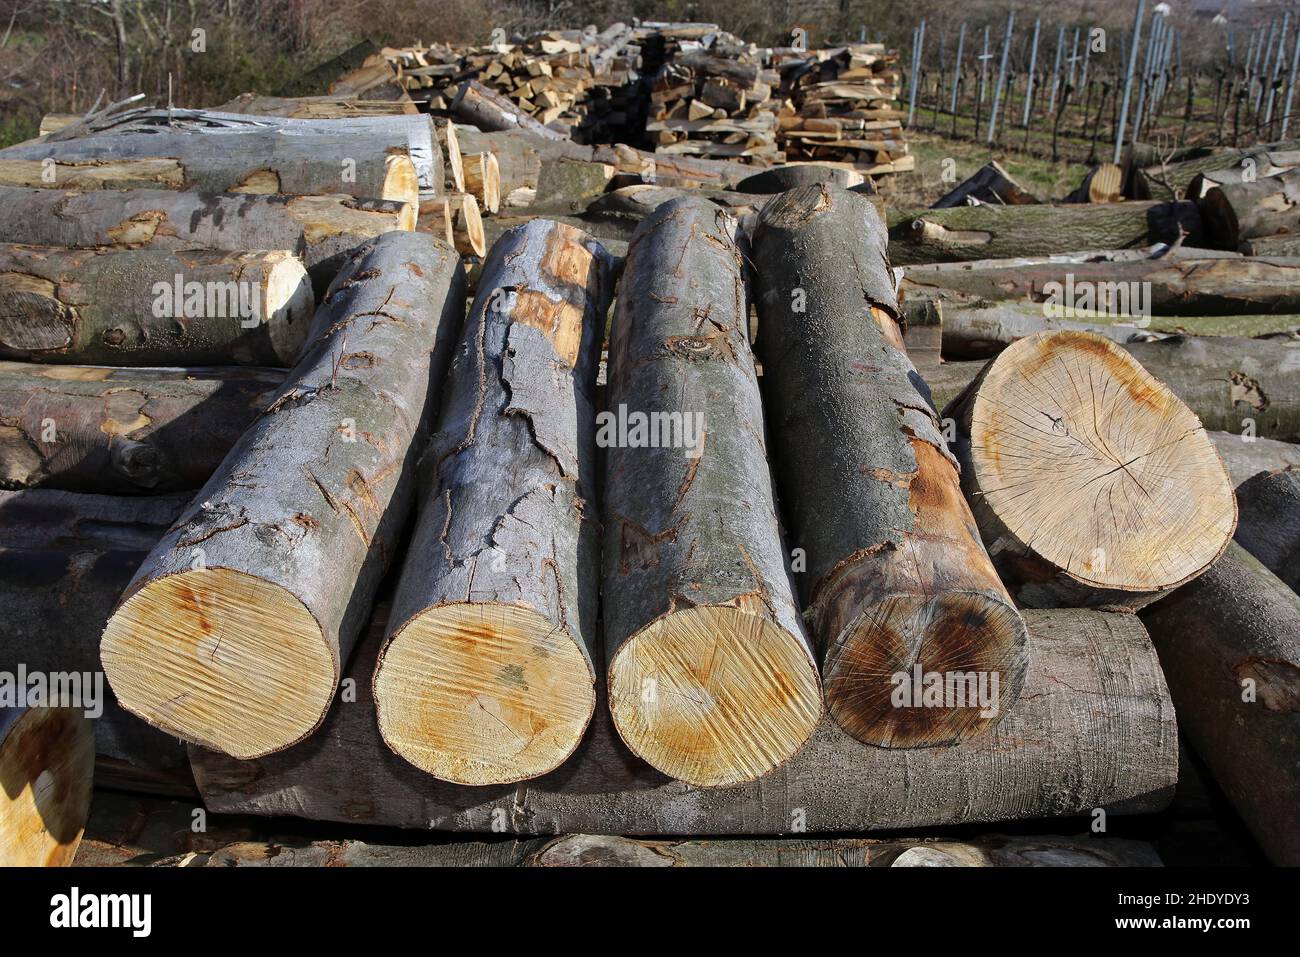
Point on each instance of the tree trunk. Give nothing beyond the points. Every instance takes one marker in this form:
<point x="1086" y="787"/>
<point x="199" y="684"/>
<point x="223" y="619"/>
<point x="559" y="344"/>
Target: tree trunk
<point x="488" y="673"/>
<point x="1251" y="210"/>
<point x="897" y="579"/>
<point x="986" y="232"/>
<point x="233" y="632"/>
<point x="1261" y="165"/>
<point x="1229" y="645"/>
<point x="990" y="184"/>
<point x="490" y="111"/>
<point x="47" y="761"/>
<point x="1067" y="448"/>
<point x="100" y="429"/>
<point x="482" y="175"/>
<point x="712" y="679"/>
<point x="1093" y="729"/>
<point x="145" y="307"/>
<point x="1171" y="180"/>
<point x="1269" y="522"/>
<point x="322" y="230"/>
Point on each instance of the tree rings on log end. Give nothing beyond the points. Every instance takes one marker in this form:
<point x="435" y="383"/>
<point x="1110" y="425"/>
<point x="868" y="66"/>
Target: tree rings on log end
<point x="483" y="693"/>
<point x="221" y="658"/>
<point x="401" y="181"/>
<point x="714" y="695"/>
<point x="47" y="760"/>
<point x="289" y="304"/>
<point x="1091" y="481"/>
<point x="915" y="671"/>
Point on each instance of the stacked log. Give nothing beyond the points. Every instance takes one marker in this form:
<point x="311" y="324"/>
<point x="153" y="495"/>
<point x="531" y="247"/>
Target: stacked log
<point x="1162" y="178"/>
<point x="1255" y="209"/>
<point x="898" y="582"/>
<point x="1269" y="524"/>
<point x="488" y="674"/>
<point x="1140" y="502"/>
<point x="235" y="628"/>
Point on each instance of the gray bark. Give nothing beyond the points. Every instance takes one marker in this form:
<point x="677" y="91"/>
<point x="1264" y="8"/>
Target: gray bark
<point x="1268" y="523"/>
<point x="488" y="110"/>
<point x="1237" y="212"/>
<point x="778" y="179"/>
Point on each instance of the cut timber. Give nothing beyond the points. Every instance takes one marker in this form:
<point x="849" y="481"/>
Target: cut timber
<point x="989" y="232"/>
<point x="989" y="184"/>
<point x="450" y="142"/>
<point x="712" y="679"/>
<point x="1170" y="178"/>
<point x="490" y="111"/>
<point x="455" y="218"/>
<point x="488" y="675"/>
<point x="1229" y="645"/>
<point x="102" y="429"/>
<point x="1269" y="524"/>
<point x="149" y="307"/>
<point x="482" y="175"/>
<point x="1258" y="166"/>
<point x="1287" y="245"/>
<point x="47" y="761"/>
<point x="896" y="578"/>
<point x="233" y="631"/>
<point x="321" y="230"/>
<point x="1251" y="210"/>
<point x="778" y="179"/>
<point x="94" y="174"/>
<point x="1093" y="729"/>
<point x="1102" y="184"/>
<point x="1092" y="484"/>
<point x="567" y="186"/>
<point x="315" y="107"/>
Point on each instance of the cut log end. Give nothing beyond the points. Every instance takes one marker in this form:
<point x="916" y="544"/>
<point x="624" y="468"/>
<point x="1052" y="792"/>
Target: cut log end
<point x="714" y="696"/>
<point x="289" y="305"/>
<point x="1097" y="468"/>
<point x="483" y="693"/>
<point x="221" y="658"/>
<point x="971" y="646"/>
<point x="401" y="181"/>
<point x="47" y="759"/>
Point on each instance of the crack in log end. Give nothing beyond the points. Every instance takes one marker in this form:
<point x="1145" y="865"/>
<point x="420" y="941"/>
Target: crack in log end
<point x="1276" y="682"/>
<point x="1247" y="391"/>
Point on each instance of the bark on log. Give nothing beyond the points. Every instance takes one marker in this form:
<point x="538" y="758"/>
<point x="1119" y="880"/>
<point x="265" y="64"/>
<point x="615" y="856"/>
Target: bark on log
<point x="989" y="184"/>
<point x="488" y="674"/>
<point x="1093" y="729"/>
<point x="321" y="230"/>
<point x="233" y="632"/>
<point x="896" y="575"/>
<point x="152" y="307"/>
<point x="482" y="175"/>
<point x="712" y="679"/>
<point x="316" y="107"/>
<point x="1248" y="455"/>
<point x="778" y="179"/>
<point x="100" y="429"/>
<point x="987" y="232"/>
<point x="1250" y="210"/>
<point x="1286" y="245"/>
<point x="1198" y="286"/>
<point x="47" y="761"/>
<point x="1165" y="180"/>
<point x="1229" y="645"/>
<point x="1092" y="484"/>
<point x="489" y="110"/>
<point x="1269" y="524"/>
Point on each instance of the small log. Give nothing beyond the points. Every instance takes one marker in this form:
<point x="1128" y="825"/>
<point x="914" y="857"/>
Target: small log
<point x="1093" y="687"/>
<point x="1249" y="169"/>
<point x="152" y="307"/>
<point x="567" y="186"/>
<point x="1067" y="447"/>
<point x="449" y="140"/>
<point x="898" y="580"/>
<point x="47" y="761"/>
<point x="455" y="218"/>
<point x="488" y="674"/>
<point x="234" y="630"/>
<point x="482" y="175"/>
<point x="1269" y="522"/>
<point x="712" y="679"/>
<point x="101" y="429"/>
<point x="488" y="110"/>
<point x="1103" y="183"/>
<point x="1250" y="210"/>
<point x="778" y="179"/>
<point x="989" y="184"/>
<point x="1229" y="646"/>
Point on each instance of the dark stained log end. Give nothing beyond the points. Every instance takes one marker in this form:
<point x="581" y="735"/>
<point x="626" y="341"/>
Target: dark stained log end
<point x="47" y="761"/>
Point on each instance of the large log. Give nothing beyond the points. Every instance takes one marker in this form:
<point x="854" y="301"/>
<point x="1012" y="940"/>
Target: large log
<point x="896" y="580"/>
<point x="488" y="676"/>
<point x="1249" y="210"/>
<point x="152" y="307"/>
<point x="1092" y="484"/>
<point x="1260" y="165"/>
<point x="234" y="630"/>
<point x="321" y="230"/>
<point x="712" y="679"/>
<point x="989" y="232"/>
<point x="1166" y="178"/>
<point x="1269" y="523"/>
<point x="101" y="429"/>
<point x="1229" y="646"/>
<point x="47" y="761"/>
<point x="1093" y="729"/>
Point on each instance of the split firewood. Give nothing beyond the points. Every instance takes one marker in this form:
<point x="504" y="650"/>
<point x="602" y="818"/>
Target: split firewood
<point x="482" y="175"/>
<point x="1093" y="687"/>
<point x="152" y="307"/>
<point x="321" y="230"/>
<point x="490" y="111"/>
<point x="488" y="674"/>
<point x="47" y="761"/>
<point x="989" y="184"/>
<point x="102" y="429"/>
<point x="1250" y="210"/>
<point x="455" y="161"/>
<point x="455" y="218"/>
<point x="234" y="630"/>
<point x="712" y="678"/>
<point x="896" y="577"/>
<point x="1229" y="646"/>
<point x="1269" y="521"/>
<point x="1091" y="482"/>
